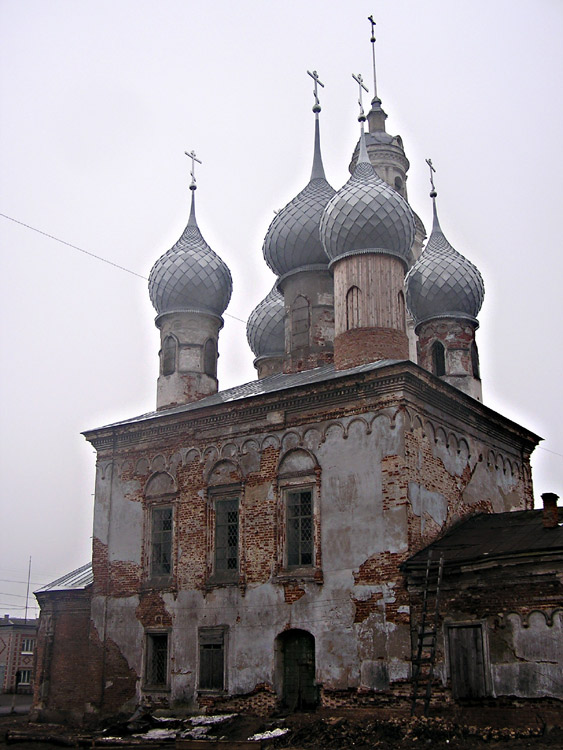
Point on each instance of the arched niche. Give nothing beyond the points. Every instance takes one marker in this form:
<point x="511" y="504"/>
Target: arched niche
<point x="297" y="462"/>
<point x="160" y="484"/>
<point x="224" y="472"/>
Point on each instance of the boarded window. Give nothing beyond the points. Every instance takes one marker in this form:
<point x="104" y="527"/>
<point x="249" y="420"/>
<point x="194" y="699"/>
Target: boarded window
<point x="161" y="542"/>
<point x="226" y="537"/>
<point x="353" y="301"/>
<point x="438" y="358"/>
<point x="210" y="358"/>
<point x="157" y="659"/>
<point x="212" y="658"/>
<point x="169" y="349"/>
<point x="299" y="528"/>
<point x="300" y="322"/>
<point x="467" y="661"/>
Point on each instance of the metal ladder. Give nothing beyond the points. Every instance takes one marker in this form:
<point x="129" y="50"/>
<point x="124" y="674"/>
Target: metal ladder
<point x="424" y="659"/>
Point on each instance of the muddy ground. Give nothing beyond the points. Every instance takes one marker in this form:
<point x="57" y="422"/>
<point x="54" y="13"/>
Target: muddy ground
<point x="474" y="728"/>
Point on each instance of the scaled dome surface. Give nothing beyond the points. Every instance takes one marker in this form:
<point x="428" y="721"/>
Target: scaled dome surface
<point x="265" y="329"/>
<point x="442" y="282"/>
<point x="190" y="277"/>
<point x="367" y="215"/>
<point x="292" y="240"/>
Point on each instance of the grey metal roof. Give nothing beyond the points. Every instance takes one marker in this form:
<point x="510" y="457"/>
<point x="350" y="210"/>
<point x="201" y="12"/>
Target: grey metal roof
<point x="269" y="384"/>
<point x="367" y="215"/>
<point x="265" y="329"/>
<point x="19" y="622"/>
<point x="190" y="276"/>
<point x="292" y="240"/>
<point x="442" y="283"/>
<point x="487" y="536"/>
<point x="77" y="579"/>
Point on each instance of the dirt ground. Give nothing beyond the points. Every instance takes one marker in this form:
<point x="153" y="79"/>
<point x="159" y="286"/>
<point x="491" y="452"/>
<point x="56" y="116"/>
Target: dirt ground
<point x="477" y="728"/>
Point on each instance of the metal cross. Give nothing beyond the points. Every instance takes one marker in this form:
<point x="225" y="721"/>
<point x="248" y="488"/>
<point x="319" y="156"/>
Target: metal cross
<point x="360" y="81"/>
<point x="315" y="76"/>
<point x="372" y="40"/>
<point x="432" y="171"/>
<point x="194" y="158"/>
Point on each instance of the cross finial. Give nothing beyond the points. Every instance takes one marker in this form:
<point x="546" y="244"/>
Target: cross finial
<point x="315" y="76"/>
<point x="372" y="40"/>
<point x="433" y="192"/>
<point x="194" y="158"/>
<point x="360" y="81"/>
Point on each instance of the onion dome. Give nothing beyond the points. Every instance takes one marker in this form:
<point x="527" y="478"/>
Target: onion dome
<point x="367" y="216"/>
<point x="442" y="283"/>
<point x="292" y="240"/>
<point x="265" y="329"/>
<point x="190" y="277"/>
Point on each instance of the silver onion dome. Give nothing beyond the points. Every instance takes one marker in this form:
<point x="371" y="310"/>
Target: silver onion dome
<point x="265" y="329"/>
<point x="367" y="216"/>
<point x="442" y="283"/>
<point x="292" y="240"/>
<point x="190" y="277"/>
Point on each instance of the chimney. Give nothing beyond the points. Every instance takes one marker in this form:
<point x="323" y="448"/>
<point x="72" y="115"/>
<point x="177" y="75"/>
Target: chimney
<point x="550" y="510"/>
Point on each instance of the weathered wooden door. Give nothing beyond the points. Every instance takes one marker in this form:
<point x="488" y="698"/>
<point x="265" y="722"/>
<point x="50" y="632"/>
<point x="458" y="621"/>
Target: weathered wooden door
<point x="467" y="661"/>
<point x="298" y="653"/>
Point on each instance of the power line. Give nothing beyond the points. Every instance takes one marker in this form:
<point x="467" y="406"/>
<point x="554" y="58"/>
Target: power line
<point x="92" y="255"/>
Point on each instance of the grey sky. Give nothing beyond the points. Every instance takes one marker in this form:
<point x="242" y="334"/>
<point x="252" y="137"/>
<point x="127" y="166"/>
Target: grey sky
<point x="100" y="99"/>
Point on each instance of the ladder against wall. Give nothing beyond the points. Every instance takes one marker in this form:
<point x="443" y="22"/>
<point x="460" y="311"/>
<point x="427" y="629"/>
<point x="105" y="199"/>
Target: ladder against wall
<point x="424" y="646"/>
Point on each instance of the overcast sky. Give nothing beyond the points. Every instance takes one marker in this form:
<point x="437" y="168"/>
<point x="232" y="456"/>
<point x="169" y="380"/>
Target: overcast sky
<point x="100" y="99"/>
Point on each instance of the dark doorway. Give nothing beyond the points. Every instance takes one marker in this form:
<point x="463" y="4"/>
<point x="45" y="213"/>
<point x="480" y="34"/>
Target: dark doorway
<point x="297" y="668"/>
<point x="467" y="661"/>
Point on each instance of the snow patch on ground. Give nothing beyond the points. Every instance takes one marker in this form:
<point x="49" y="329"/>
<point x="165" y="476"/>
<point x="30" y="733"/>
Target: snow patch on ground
<point x="269" y="735"/>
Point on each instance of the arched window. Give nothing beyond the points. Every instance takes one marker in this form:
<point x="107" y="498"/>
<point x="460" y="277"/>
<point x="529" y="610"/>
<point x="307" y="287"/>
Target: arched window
<point x="475" y="361"/>
<point x="210" y="358"/>
<point x="169" y="350"/>
<point x="353" y="301"/>
<point x="402" y="319"/>
<point x="300" y="322"/>
<point x="398" y="184"/>
<point x="438" y="358"/>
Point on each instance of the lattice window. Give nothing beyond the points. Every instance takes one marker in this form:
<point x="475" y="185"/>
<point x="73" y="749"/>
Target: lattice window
<point x="161" y="541"/>
<point x="157" y="659"/>
<point x="226" y="537"/>
<point x="299" y="528"/>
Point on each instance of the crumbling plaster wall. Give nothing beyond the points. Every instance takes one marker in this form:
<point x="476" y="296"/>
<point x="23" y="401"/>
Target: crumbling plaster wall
<point x="387" y="484"/>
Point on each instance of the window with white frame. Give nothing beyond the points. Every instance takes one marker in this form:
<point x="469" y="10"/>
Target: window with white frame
<point x="28" y="645"/>
<point x="24" y="677"/>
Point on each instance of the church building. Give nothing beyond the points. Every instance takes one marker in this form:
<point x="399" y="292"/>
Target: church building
<point x="257" y="547"/>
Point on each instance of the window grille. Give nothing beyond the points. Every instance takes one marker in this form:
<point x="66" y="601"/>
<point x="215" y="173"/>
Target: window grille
<point x="226" y="536"/>
<point x="299" y="528"/>
<point x="157" y="659"/>
<point x="161" y="542"/>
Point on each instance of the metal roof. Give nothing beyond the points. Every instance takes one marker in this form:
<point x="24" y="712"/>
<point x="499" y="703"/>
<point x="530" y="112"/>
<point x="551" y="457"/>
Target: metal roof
<point x="77" y="579"/>
<point x="487" y="536"/>
<point x="269" y="384"/>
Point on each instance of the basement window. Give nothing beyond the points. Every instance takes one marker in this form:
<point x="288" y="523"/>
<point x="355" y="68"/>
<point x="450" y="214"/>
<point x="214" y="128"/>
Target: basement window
<point x="156" y="675"/>
<point x="212" y="659"/>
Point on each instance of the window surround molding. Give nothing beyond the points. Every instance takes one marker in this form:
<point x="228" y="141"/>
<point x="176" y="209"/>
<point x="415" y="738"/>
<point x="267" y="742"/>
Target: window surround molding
<point x="160" y="492"/>
<point x="146" y="685"/>
<point x="215" y="494"/>
<point x="292" y="479"/>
